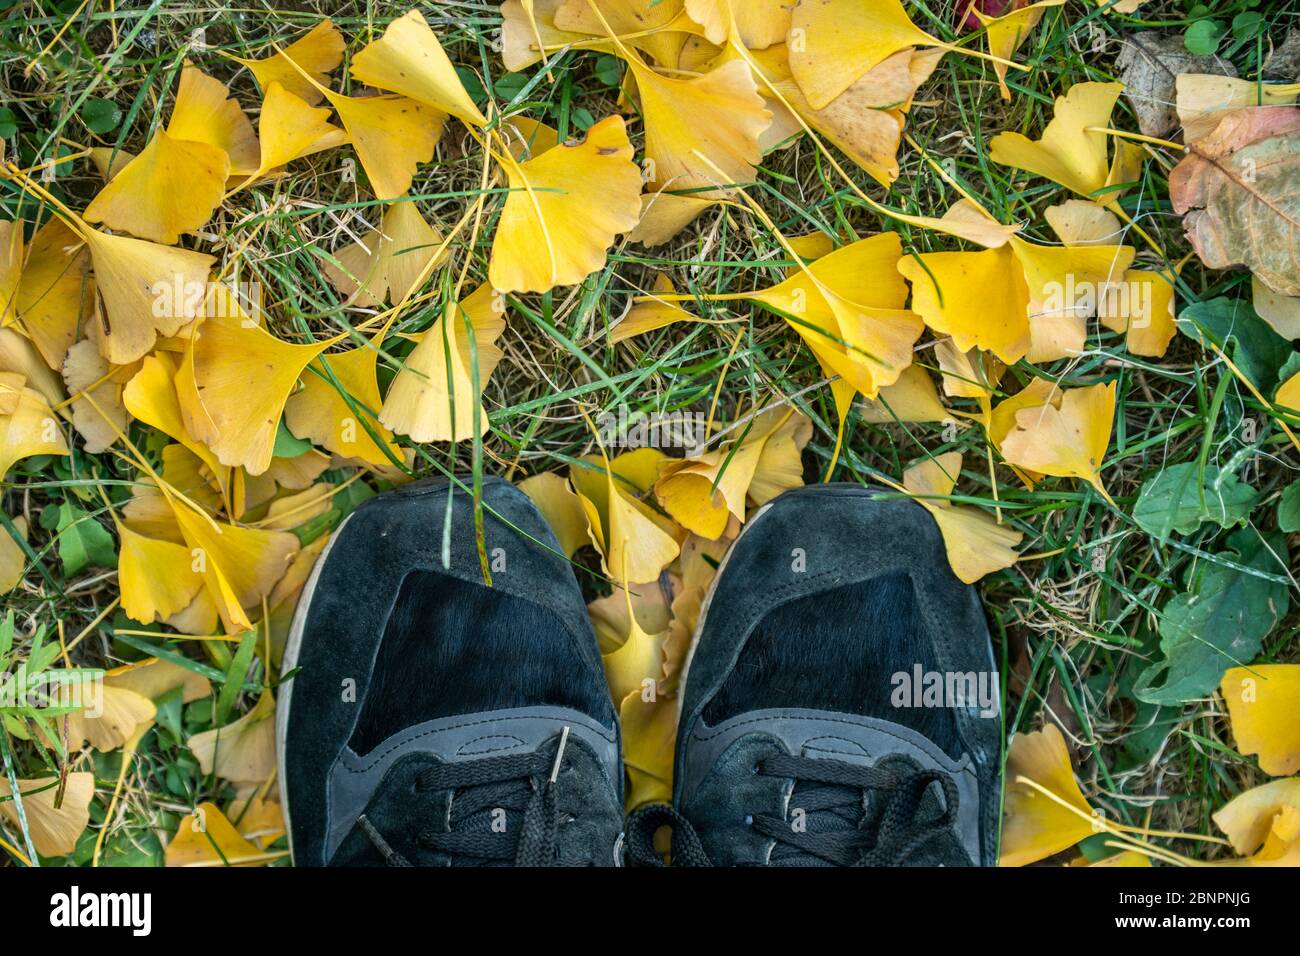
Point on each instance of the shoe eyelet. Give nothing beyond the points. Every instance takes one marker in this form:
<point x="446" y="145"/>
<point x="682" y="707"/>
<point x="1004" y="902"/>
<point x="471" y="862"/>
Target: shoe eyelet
<point x="749" y="820"/>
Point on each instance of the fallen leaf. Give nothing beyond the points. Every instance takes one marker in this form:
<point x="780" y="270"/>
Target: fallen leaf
<point x="1034" y="826"/>
<point x="30" y="429"/>
<point x="1263" y="824"/>
<point x="560" y="507"/>
<point x="1007" y="30"/>
<point x="147" y="289"/>
<point x="701" y="131"/>
<point x="244" y="376"/>
<point x="207" y="838"/>
<point x="634" y="543"/>
<point x="1263" y="700"/>
<point x="1149" y="65"/>
<point x="1237" y="192"/>
<point x="840" y="40"/>
<point x="390" y="263"/>
<point x="1202" y="100"/>
<point x="1070" y="152"/>
<point x="243" y="751"/>
<point x="13" y="559"/>
<point x="205" y="112"/>
<point x="317" y="53"/>
<point x="54" y="830"/>
<point x="95" y="389"/>
<point x="171" y="188"/>
<point x="975" y="542"/>
<point x="433" y="397"/>
<point x="1066" y="442"/>
<point x="564" y="210"/>
<point x="392" y="136"/>
<point x="408" y="59"/>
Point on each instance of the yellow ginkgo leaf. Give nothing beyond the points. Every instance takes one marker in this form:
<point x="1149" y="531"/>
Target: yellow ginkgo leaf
<point x="1078" y="222"/>
<point x="1034" y="826"/>
<point x="11" y="390"/>
<point x="636" y="663"/>
<point x="154" y="677"/>
<point x="108" y="162"/>
<point x="151" y="397"/>
<point x="319" y="411"/>
<point x="1142" y="307"/>
<point x="527" y="23"/>
<point x="156" y="576"/>
<point x="145" y="288"/>
<point x="564" y="209"/>
<point x="171" y="188"/>
<point x="657" y="26"/>
<point x="1068" y="441"/>
<point x="1072" y="152"/>
<point x="1067" y="285"/>
<point x="95" y="388"/>
<point x="30" y="429"/>
<point x="293" y="509"/>
<point x="848" y="307"/>
<point x="866" y="120"/>
<point x="840" y="40"/>
<point x="967" y="373"/>
<point x="913" y="398"/>
<point x="239" y="565"/>
<point x="664" y="215"/>
<point x="757" y="24"/>
<point x="633" y="541"/>
<point x="611" y="616"/>
<point x="1263" y="824"/>
<point x="976" y="544"/>
<point x="392" y="136"/>
<point x="207" y="838"/>
<point x="55" y="290"/>
<point x="244" y="376"/>
<point x="561" y="509"/>
<point x="433" y="397"/>
<point x="408" y="59"/>
<point x="649" y="731"/>
<point x="1004" y="34"/>
<point x="391" y="262"/>
<point x="118" y="716"/>
<point x="205" y="112"/>
<point x="1263" y="701"/>
<point x="317" y="54"/>
<point x="259" y="820"/>
<point x="649" y="313"/>
<point x="242" y="751"/>
<point x="54" y="829"/>
<point x="11" y="270"/>
<point x="702" y="492"/>
<point x="13" y="559"/>
<point x="702" y="130"/>
<point x="978" y="298"/>
<point x="290" y="129"/>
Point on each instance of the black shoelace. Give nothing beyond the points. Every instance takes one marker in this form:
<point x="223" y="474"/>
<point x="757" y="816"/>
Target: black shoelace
<point x="850" y="816"/>
<point x="516" y="792"/>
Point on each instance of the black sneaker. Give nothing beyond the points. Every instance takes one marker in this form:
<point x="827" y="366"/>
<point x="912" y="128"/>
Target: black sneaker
<point x="811" y="731"/>
<point x="436" y="721"/>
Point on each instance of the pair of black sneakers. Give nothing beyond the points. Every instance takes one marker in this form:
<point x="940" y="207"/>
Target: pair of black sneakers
<point x="835" y="709"/>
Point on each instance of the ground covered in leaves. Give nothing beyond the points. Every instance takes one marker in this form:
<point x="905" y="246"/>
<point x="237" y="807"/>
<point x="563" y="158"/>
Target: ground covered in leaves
<point x="1122" y="490"/>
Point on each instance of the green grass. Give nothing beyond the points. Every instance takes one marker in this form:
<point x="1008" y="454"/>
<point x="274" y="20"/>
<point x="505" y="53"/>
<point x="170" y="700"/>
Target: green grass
<point x="1071" y="628"/>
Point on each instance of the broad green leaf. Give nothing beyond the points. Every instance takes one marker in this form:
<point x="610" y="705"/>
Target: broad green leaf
<point x="1220" y="621"/>
<point x="1233" y="326"/>
<point x="82" y="541"/>
<point x="1288" y="509"/>
<point x="1176" y="500"/>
